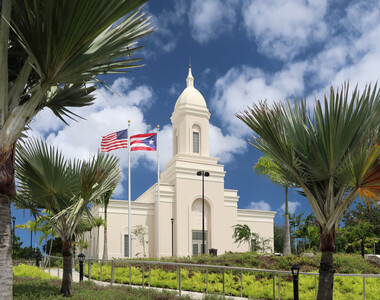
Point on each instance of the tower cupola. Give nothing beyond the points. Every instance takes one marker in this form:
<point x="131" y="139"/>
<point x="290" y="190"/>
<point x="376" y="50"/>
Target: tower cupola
<point x="190" y="121"/>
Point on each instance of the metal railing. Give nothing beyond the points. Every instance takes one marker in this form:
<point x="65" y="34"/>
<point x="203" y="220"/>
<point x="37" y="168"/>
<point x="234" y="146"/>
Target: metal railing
<point x="275" y="273"/>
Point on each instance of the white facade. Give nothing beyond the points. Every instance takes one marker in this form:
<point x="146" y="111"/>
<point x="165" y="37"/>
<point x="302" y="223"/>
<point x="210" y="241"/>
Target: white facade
<point x="181" y="197"/>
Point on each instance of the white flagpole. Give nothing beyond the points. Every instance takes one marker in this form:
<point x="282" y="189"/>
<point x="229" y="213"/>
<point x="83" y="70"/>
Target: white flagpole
<point x="158" y="192"/>
<point x="129" y="190"/>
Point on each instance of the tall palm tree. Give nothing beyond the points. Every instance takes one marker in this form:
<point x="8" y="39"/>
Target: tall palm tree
<point x="267" y="167"/>
<point x="32" y="226"/>
<point x="331" y="152"/>
<point x="50" y="55"/>
<point x="105" y="200"/>
<point x="97" y="223"/>
<point x="64" y="189"/>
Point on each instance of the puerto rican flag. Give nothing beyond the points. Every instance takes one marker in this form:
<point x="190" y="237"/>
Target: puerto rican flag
<point x="145" y="142"/>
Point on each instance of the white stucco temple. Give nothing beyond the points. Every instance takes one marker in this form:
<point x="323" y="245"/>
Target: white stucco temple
<point x="181" y="197"/>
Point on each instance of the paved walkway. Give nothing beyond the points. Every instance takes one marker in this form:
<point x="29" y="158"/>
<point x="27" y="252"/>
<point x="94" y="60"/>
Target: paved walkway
<point x="193" y="295"/>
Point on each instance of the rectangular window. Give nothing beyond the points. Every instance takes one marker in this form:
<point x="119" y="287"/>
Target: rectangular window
<point x="195" y="142"/>
<point x="126" y="245"/>
<point x="197" y="242"/>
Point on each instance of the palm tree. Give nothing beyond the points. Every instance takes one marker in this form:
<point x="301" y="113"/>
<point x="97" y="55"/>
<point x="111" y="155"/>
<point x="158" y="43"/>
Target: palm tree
<point x="32" y="226"/>
<point x="267" y="167"/>
<point x="50" y="57"/>
<point x="242" y="233"/>
<point x="331" y="152"/>
<point x="97" y="223"/>
<point x="64" y="189"/>
<point x="105" y="200"/>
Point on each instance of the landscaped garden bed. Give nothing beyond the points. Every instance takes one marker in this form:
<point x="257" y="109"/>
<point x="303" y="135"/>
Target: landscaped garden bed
<point x="254" y="284"/>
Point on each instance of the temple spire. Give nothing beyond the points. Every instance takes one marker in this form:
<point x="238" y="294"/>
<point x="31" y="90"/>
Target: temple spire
<point x="190" y="78"/>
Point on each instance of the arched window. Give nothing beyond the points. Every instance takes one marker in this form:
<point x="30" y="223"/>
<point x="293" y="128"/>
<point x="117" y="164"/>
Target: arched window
<point x="196" y="139"/>
<point x="176" y="142"/>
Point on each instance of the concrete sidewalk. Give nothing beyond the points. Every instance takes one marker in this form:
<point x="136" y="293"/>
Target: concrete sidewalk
<point x="193" y="295"/>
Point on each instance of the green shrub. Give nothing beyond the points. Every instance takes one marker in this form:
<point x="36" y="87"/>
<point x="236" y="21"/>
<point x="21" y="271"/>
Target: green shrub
<point x="30" y="271"/>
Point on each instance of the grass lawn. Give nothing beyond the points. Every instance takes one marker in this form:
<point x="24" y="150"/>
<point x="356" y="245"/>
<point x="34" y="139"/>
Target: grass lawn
<point x="32" y="283"/>
<point x="25" y="288"/>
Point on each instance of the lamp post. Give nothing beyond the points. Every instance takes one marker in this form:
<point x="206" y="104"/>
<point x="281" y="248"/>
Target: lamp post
<point x="13" y="235"/>
<point x="81" y="258"/>
<point x="203" y="174"/>
<point x="172" y="220"/>
<point x="295" y="271"/>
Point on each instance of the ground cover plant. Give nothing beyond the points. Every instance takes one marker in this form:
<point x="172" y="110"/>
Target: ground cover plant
<point x="33" y="283"/>
<point x="256" y="285"/>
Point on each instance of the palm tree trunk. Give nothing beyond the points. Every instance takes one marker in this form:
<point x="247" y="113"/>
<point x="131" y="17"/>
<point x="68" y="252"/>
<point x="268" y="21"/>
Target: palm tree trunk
<point x="97" y="244"/>
<point x="287" y="249"/>
<point x="105" y="248"/>
<point x="326" y="268"/>
<point x="67" y="280"/>
<point x="51" y="245"/>
<point x="7" y="191"/>
<point x="6" y="274"/>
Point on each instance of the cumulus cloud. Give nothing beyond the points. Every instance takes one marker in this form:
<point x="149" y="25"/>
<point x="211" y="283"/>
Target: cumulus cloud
<point x="243" y="86"/>
<point x="110" y="113"/>
<point x="260" y="205"/>
<point x="353" y="54"/>
<point x="165" y="38"/>
<point x="284" y="28"/>
<point x="292" y="206"/>
<point x="225" y="146"/>
<point x="210" y="18"/>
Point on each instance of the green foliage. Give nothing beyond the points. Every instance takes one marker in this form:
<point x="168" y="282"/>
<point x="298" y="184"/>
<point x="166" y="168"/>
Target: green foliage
<point x="242" y="233"/>
<point x="256" y="284"/>
<point x="30" y="271"/>
<point x="24" y="252"/>
<point x="278" y="238"/>
<point x="43" y="289"/>
<point x="360" y="213"/>
<point x="56" y="247"/>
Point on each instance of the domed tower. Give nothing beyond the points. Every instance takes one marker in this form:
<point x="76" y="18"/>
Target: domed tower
<point x="190" y="121"/>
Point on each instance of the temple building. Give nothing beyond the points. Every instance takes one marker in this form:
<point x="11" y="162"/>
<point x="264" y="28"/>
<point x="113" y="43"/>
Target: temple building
<point x="179" y="214"/>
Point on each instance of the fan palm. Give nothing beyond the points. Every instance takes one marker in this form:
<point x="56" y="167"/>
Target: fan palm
<point x="330" y="152"/>
<point x="267" y="167"/>
<point x="50" y="54"/>
<point x="64" y="189"/>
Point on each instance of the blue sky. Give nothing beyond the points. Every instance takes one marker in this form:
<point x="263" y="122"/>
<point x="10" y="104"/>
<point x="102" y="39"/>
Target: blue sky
<point x="242" y="51"/>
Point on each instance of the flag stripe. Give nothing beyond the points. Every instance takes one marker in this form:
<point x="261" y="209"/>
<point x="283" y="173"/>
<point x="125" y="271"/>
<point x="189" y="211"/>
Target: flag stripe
<point x="112" y="142"/>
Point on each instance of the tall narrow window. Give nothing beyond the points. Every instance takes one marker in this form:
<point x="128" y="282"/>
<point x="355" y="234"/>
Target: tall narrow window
<point x="195" y="142"/>
<point x="176" y="143"/>
<point x="126" y="245"/>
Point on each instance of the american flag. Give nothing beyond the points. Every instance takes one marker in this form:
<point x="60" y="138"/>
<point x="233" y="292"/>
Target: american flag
<point x="115" y="140"/>
<point x="145" y="142"/>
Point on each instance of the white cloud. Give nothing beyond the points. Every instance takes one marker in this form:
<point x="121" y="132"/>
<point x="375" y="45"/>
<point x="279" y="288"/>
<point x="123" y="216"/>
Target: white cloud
<point x="225" y="146"/>
<point x="210" y="18"/>
<point x="260" y="205"/>
<point x="292" y="206"/>
<point x="353" y="54"/>
<point x="111" y="112"/>
<point x="284" y="28"/>
<point x="241" y="87"/>
<point x="166" y="23"/>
